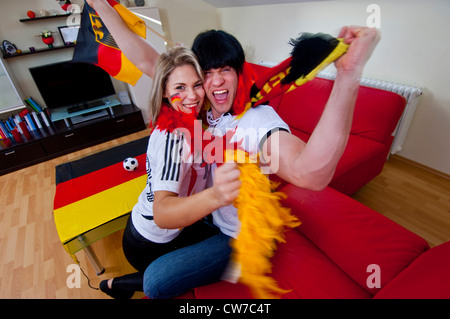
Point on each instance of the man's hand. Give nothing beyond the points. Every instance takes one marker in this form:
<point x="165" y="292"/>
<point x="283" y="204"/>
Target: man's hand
<point x="226" y="183"/>
<point x="362" y="41"/>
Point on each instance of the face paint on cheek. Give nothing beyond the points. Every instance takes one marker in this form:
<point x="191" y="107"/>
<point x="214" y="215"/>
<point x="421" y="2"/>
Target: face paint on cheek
<point x="175" y="100"/>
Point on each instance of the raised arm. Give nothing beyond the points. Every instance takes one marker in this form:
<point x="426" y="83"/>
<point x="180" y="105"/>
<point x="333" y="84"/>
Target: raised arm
<point x="136" y="49"/>
<point x="312" y="165"/>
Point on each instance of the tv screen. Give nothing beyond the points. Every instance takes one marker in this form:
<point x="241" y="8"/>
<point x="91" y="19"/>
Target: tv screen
<point x="71" y="83"/>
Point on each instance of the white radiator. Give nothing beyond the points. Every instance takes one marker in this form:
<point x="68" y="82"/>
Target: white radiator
<point x="410" y="93"/>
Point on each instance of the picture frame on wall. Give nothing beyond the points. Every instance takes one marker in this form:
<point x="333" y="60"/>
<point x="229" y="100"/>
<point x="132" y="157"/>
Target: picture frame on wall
<point x="69" y="34"/>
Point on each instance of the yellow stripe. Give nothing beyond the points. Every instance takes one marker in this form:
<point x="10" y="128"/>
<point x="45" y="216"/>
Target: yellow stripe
<point x="136" y="24"/>
<point x="339" y="50"/>
<point x="268" y="87"/>
<point x="128" y="73"/>
<point x="88" y="213"/>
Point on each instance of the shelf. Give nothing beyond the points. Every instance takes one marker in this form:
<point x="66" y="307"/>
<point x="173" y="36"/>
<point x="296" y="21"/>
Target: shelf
<point x="39" y="51"/>
<point x="45" y="17"/>
<point x="50" y="142"/>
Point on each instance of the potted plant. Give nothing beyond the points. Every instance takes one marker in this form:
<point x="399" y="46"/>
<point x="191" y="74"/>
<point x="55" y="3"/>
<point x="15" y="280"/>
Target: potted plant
<point x="47" y="38"/>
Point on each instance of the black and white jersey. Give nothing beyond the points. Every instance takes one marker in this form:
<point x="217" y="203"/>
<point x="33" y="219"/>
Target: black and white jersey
<point x="170" y="167"/>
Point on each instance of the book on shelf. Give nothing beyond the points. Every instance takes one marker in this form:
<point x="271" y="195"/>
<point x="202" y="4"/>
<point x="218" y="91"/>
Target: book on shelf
<point x="36" y="120"/>
<point x="33" y="104"/>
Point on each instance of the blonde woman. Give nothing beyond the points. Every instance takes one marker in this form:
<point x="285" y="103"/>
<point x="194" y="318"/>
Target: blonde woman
<point x="175" y="195"/>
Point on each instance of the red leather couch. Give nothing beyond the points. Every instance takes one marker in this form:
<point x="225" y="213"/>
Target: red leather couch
<point x="377" y="113"/>
<point x="344" y="249"/>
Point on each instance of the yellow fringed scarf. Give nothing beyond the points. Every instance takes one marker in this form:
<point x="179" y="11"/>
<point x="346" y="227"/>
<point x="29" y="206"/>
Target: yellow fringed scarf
<point x="263" y="222"/>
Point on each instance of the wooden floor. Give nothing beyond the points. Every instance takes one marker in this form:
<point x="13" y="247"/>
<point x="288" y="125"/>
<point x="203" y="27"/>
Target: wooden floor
<point x="33" y="263"/>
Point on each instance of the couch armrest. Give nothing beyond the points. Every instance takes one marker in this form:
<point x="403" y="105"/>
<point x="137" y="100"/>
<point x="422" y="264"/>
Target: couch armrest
<point x="353" y="235"/>
<point x="428" y="277"/>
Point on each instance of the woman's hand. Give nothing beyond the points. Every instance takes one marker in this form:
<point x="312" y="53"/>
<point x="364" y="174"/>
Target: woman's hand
<point x="226" y="183"/>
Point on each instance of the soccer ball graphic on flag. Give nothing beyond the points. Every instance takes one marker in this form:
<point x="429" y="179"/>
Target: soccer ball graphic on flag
<point x="130" y="164"/>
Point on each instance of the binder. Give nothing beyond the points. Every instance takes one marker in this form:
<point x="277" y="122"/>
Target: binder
<point x="35" y="104"/>
<point x="30" y="122"/>
<point x="36" y="120"/>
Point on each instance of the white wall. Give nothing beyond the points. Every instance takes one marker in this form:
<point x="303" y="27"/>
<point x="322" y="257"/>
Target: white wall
<point x="184" y="19"/>
<point x="413" y="50"/>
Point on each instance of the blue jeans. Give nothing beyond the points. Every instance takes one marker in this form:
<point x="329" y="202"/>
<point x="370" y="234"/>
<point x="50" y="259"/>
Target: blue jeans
<point x="180" y="270"/>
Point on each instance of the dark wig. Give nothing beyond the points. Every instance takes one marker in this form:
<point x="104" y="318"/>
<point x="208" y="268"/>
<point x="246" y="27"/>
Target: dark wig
<point x="216" y="49"/>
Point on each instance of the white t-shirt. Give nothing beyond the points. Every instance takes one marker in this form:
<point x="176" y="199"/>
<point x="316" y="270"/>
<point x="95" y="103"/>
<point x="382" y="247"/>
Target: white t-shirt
<point x="251" y="130"/>
<point x="170" y="167"/>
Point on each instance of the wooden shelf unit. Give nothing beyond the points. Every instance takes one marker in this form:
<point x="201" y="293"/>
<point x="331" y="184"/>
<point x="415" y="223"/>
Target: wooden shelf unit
<point x="48" y="143"/>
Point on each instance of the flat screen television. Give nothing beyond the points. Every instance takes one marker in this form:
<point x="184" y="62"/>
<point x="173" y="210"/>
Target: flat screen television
<point x="65" y="84"/>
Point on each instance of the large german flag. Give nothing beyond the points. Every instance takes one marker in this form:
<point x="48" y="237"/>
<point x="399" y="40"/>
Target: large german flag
<point x="96" y="45"/>
<point x="96" y="189"/>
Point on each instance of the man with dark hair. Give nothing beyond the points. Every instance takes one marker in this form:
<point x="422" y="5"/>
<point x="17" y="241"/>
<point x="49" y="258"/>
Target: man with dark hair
<point x="310" y="165"/>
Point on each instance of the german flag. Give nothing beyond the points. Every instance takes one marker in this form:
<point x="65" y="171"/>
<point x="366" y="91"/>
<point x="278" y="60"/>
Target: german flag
<point x="96" y="189"/>
<point x="96" y="45"/>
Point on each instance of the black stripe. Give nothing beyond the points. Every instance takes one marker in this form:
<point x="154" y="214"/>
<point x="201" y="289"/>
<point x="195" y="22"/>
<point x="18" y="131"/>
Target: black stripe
<point x="266" y="136"/>
<point x="166" y="148"/>
<point x="170" y="162"/>
<point x="172" y="158"/>
<point x="91" y="163"/>
<point x="179" y="152"/>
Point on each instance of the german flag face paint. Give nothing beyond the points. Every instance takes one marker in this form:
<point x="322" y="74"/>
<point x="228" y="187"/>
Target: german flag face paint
<point x="175" y="101"/>
<point x="176" y="98"/>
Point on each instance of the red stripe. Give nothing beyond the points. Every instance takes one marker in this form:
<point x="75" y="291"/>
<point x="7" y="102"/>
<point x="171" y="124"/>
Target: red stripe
<point x="112" y="3"/>
<point x="109" y="59"/>
<point x="87" y="185"/>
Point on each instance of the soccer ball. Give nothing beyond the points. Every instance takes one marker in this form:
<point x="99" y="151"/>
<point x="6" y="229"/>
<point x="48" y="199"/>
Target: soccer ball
<point x="130" y="164"/>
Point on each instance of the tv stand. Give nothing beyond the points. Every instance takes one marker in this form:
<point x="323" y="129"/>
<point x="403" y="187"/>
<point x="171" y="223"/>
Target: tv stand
<point x="67" y="112"/>
<point x="59" y="139"/>
<point x="85" y="106"/>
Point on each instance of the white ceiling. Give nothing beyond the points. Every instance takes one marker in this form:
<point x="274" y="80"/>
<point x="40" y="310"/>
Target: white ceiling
<point x="243" y="3"/>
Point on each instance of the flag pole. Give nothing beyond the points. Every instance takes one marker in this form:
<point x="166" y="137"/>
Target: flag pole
<point x="159" y="35"/>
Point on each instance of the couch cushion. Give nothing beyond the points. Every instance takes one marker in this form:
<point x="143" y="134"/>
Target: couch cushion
<point x="428" y="277"/>
<point x="299" y="266"/>
<point x="302" y="108"/>
<point x="377" y="113"/>
<point x="358" y="150"/>
<point x="353" y="235"/>
<point x="362" y="160"/>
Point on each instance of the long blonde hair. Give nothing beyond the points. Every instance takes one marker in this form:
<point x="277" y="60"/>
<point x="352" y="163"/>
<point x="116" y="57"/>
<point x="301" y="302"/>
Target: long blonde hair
<point x="166" y="63"/>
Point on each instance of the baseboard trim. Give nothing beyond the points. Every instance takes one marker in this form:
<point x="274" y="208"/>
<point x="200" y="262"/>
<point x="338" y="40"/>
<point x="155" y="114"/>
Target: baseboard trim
<point x="421" y="166"/>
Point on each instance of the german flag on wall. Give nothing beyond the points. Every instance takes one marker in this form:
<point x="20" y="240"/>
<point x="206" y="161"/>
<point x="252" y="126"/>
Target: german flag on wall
<point x="96" y="45"/>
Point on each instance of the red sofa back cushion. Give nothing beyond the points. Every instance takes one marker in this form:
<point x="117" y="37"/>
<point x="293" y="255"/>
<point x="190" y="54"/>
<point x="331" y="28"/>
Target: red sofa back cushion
<point x="376" y="115"/>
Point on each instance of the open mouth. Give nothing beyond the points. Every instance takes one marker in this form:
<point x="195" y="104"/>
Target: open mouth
<point x="190" y="108"/>
<point x="220" y="95"/>
<point x="191" y="105"/>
